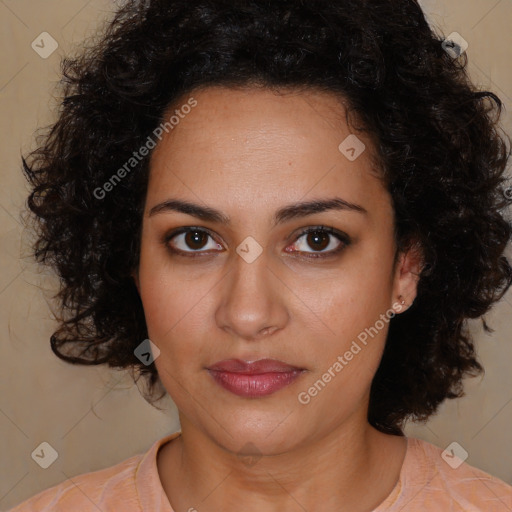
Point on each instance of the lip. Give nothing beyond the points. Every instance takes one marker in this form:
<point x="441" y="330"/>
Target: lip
<point x="254" y="379"/>
<point x="253" y="367"/>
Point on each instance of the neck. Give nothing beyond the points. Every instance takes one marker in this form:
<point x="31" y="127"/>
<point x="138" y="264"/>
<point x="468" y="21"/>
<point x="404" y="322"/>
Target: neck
<point x="354" y="467"/>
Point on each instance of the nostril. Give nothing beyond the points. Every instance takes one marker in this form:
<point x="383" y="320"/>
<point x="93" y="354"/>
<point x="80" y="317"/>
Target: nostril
<point x="266" y="330"/>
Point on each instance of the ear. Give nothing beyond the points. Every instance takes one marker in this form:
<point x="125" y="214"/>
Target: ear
<point x="407" y="273"/>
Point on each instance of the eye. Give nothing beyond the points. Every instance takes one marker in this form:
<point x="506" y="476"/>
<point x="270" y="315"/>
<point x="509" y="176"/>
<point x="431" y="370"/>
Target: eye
<point x="192" y="242"/>
<point x="321" y="238"/>
<point x="191" y="238"/>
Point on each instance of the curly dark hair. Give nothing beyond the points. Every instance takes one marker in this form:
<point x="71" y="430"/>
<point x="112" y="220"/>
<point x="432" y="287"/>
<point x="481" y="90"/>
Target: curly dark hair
<point x="441" y="151"/>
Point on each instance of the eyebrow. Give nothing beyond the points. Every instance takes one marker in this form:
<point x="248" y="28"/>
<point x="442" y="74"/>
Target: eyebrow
<point x="284" y="214"/>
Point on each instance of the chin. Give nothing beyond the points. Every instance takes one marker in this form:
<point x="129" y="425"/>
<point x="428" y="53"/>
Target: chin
<point x="253" y="435"/>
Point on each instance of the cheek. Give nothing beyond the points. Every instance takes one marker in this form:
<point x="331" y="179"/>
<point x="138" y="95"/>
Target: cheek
<point x="354" y="300"/>
<point x="174" y="319"/>
<point x="168" y="298"/>
<point x="177" y="309"/>
<point x="355" y="316"/>
<point x="347" y="360"/>
<point x="173" y="312"/>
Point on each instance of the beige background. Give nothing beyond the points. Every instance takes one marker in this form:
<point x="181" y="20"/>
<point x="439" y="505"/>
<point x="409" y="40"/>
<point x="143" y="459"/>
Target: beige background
<point x="95" y="417"/>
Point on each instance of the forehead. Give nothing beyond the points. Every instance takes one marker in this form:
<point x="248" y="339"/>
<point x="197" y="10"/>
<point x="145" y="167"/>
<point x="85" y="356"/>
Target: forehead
<point x="251" y="114"/>
<point x="250" y="147"/>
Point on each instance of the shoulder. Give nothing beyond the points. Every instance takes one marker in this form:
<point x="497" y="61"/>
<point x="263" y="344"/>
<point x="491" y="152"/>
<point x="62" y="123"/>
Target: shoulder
<point x="131" y="486"/>
<point x="97" y="490"/>
<point x="441" y="479"/>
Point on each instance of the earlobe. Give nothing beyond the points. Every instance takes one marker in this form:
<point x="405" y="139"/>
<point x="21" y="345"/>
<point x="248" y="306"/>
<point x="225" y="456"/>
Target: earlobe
<point x="407" y="275"/>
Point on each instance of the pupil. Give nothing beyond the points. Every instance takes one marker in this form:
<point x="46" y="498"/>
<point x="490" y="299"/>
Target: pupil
<point x="194" y="237"/>
<point x="315" y="236"/>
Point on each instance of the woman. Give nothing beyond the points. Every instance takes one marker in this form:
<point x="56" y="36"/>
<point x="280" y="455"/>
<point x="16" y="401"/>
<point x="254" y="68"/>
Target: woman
<point x="284" y="213"/>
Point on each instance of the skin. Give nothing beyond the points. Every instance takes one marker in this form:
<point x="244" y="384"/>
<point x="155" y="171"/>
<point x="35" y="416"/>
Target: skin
<point x="248" y="153"/>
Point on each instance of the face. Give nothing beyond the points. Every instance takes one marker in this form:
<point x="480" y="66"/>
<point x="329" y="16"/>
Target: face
<point x="250" y="282"/>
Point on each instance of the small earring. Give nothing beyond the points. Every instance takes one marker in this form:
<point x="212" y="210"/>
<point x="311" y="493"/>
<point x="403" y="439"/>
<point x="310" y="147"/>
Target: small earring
<point x="402" y="301"/>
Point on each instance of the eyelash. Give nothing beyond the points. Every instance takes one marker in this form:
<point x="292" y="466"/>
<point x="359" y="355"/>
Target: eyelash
<point x="342" y="237"/>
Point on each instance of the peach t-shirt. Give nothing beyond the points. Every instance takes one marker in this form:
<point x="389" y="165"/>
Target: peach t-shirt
<point x="426" y="484"/>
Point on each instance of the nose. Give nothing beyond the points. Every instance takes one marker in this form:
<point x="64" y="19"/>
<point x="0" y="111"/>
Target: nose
<point x="253" y="300"/>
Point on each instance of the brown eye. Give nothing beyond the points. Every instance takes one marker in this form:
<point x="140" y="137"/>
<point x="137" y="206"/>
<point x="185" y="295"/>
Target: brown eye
<point x="195" y="239"/>
<point x="324" y="242"/>
<point x="191" y="240"/>
<point x="319" y="239"/>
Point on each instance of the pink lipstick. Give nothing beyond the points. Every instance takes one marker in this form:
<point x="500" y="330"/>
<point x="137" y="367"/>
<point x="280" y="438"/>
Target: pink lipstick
<point x="254" y="379"/>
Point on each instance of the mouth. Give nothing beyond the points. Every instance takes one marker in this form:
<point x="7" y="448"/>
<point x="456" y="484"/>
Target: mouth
<point x="254" y="379"/>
